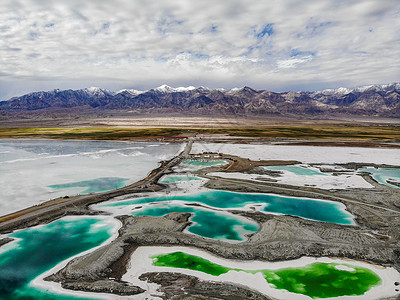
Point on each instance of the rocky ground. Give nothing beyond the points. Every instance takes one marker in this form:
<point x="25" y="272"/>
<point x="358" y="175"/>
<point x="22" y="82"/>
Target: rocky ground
<point x="184" y="287"/>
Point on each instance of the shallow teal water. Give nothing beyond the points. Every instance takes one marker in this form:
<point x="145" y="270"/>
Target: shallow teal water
<point x="298" y="170"/>
<point x="97" y="185"/>
<point x="203" y="163"/>
<point x="39" y="249"/>
<point x="305" y="208"/>
<point x="207" y="223"/>
<point x="383" y="174"/>
<point x="173" y="179"/>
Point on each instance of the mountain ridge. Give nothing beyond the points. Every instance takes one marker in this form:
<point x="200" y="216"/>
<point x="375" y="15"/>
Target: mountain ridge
<point x="373" y="100"/>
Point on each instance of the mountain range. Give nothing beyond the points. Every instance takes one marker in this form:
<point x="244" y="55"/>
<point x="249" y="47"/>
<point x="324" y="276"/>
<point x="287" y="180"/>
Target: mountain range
<point x="374" y="100"/>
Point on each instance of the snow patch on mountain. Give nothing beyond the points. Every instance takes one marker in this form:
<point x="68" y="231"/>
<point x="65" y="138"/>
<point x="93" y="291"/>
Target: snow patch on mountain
<point x="96" y="91"/>
<point x="132" y="92"/>
<point x="167" y="89"/>
<point x="185" y="89"/>
<point x="234" y="90"/>
<point x="339" y="91"/>
<point x="164" y="89"/>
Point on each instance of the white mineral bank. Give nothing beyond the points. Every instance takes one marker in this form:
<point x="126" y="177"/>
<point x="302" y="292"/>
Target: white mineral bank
<point x="304" y="154"/>
<point x="328" y="182"/>
<point x="141" y="263"/>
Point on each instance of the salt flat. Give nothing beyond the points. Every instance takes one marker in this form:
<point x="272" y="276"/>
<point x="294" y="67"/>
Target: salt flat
<point x="342" y="181"/>
<point x="34" y="171"/>
<point x="304" y="154"/>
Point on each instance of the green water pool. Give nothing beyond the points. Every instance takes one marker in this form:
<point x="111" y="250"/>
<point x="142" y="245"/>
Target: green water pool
<point x="39" y="249"/>
<point x="316" y="280"/>
<point x="317" y="210"/>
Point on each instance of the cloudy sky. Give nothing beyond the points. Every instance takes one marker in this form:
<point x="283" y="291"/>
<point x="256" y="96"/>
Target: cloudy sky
<point x="275" y="45"/>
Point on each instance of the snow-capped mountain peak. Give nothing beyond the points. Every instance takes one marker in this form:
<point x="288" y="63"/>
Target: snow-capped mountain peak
<point x="377" y="100"/>
<point x="96" y="91"/>
<point x="185" y="89"/>
<point x="339" y="91"/>
<point x="164" y="89"/>
<point x="391" y="86"/>
<point x="93" y="89"/>
<point x="374" y="87"/>
<point x="343" y="90"/>
<point x="132" y="92"/>
<point x="204" y="88"/>
<point x="362" y="89"/>
<point x="167" y="89"/>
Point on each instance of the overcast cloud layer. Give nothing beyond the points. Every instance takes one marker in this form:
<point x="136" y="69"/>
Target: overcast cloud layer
<point x="273" y="45"/>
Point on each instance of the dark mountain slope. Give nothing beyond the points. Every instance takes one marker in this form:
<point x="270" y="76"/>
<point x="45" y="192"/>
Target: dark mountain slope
<point x="368" y="101"/>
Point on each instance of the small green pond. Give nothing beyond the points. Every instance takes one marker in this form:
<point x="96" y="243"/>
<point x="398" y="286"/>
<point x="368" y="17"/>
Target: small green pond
<point x="316" y="280"/>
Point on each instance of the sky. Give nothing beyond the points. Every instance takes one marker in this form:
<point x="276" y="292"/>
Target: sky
<point x="277" y="45"/>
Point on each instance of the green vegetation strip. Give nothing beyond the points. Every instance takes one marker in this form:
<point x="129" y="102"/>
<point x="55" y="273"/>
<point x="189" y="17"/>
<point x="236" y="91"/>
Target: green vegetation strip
<point x="360" y="133"/>
<point x="92" y="133"/>
<point x="317" y="280"/>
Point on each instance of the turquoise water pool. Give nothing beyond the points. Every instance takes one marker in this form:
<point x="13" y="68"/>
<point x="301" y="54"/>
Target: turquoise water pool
<point x="298" y="170"/>
<point x="318" y="210"/>
<point x="39" y="249"/>
<point x="382" y="175"/>
<point x="206" y="223"/>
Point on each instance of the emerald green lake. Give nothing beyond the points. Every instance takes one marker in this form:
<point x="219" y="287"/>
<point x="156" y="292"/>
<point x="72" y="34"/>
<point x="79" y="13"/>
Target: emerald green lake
<point x="206" y="223"/>
<point x="316" y="280"/>
<point x="317" y="210"/>
<point x="39" y="249"/>
<point x="383" y="174"/>
<point x="97" y="185"/>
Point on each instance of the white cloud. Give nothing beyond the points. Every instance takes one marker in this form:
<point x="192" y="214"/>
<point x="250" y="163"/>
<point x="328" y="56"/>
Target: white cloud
<point x="141" y="44"/>
<point x="293" y="62"/>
